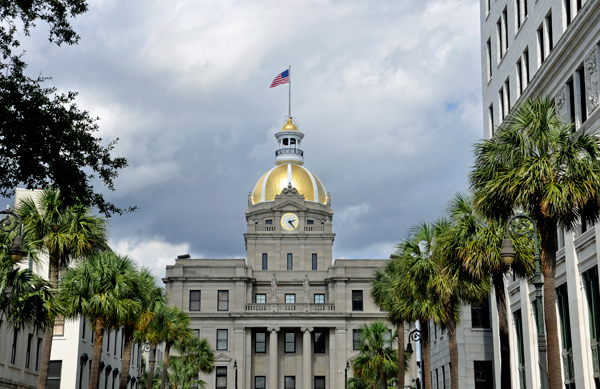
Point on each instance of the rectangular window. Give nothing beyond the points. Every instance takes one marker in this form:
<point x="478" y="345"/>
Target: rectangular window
<point x="319" y="342"/>
<point x="480" y="314"/>
<point x="38" y="354"/>
<point x="290" y="299"/>
<point x="28" y="353"/>
<point x="592" y="292"/>
<point x="83" y="327"/>
<point x="310" y="222"/>
<point x="265" y="262"/>
<point x="437" y="379"/>
<point x="526" y="63"/>
<point x="260" y="298"/>
<point x="520" y="347"/>
<point x="483" y="374"/>
<point x="290" y="382"/>
<point x="582" y="98"/>
<point x="269" y="221"/>
<point x="115" y="347"/>
<point x="54" y="374"/>
<point x="222" y="336"/>
<point x="13" y="351"/>
<point x="260" y="382"/>
<point x="355" y="339"/>
<point x="549" y="31"/>
<point x="500" y="39"/>
<point x="571" y="92"/>
<point x="507" y="92"/>
<point x="520" y="86"/>
<point x="443" y="378"/>
<point x="223" y="300"/>
<point x="565" y="331"/>
<point x="491" y="115"/>
<point x="525" y="13"/>
<point x="505" y="29"/>
<point x="357" y="300"/>
<point x="488" y="46"/>
<point x="578" y="5"/>
<point x="290" y="261"/>
<point x="260" y="344"/>
<point x="221" y="375"/>
<point x="314" y="261"/>
<point x="319" y="382"/>
<point x="501" y="100"/>
<point x="568" y="12"/>
<point x="518" y="13"/>
<point x="196" y="333"/>
<point x="541" y="45"/>
<point x="488" y="6"/>
<point x="319" y="298"/>
<point x="290" y="342"/>
<point x="194" y="300"/>
<point x="59" y="327"/>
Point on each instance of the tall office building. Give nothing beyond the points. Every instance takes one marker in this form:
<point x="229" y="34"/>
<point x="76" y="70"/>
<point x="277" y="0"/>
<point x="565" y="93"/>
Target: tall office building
<point x="531" y="49"/>
<point x="287" y="316"/>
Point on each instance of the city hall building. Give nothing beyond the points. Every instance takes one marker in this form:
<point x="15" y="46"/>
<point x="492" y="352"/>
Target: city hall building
<point x="288" y="315"/>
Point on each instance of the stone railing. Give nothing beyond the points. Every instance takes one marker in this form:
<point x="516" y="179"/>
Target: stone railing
<point x="263" y="227"/>
<point x="281" y="307"/>
<point x="314" y="228"/>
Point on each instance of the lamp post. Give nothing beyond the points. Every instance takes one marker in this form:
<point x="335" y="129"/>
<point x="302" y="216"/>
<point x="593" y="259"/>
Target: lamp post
<point x="415" y="335"/>
<point x="9" y="223"/>
<point x="346" y="374"/>
<point x="235" y="368"/>
<point x="518" y="226"/>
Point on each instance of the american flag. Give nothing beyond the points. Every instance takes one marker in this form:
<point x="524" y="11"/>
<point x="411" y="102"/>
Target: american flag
<point x="282" y="78"/>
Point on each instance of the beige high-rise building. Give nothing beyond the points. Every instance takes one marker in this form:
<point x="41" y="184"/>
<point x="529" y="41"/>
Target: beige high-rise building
<point x="287" y="316"/>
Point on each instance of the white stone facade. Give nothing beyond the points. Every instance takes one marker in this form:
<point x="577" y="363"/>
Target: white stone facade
<point x="548" y="48"/>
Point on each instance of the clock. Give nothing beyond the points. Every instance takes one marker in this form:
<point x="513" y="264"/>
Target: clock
<point x="289" y="221"/>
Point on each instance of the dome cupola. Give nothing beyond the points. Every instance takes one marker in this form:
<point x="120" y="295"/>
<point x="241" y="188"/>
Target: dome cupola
<point x="289" y="159"/>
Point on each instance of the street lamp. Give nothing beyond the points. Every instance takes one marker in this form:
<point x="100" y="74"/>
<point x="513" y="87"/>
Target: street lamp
<point x="9" y="223"/>
<point x="415" y="335"/>
<point x="518" y="226"/>
<point x="235" y="368"/>
<point x="346" y="374"/>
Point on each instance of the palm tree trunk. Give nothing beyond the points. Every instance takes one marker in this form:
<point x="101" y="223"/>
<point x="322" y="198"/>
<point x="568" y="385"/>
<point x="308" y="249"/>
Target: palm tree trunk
<point x="49" y="333"/>
<point x="99" y="336"/>
<point x="426" y="369"/>
<point x="163" y="380"/>
<point x="498" y="279"/>
<point x="451" y="326"/>
<point x="401" y="355"/>
<point x="128" y="336"/>
<point x="547" y="228"/>
<point x="152" y="363"/>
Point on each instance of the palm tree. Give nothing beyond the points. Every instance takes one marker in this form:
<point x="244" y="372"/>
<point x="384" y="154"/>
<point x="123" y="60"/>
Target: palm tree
<point x="195" y="356"/>
<point x="478" y="243"/>
<point x="25" y="297"/>
<point x="62" y="233"/>
<point x="176" y="329"/>
<point x="376" y="360"/>
<point x="540" y="165"/>
<point x="151" y="329"/>
<point x="383" y="296"/>
<point x="102" y="288"/>
<point x="147" y="292"/>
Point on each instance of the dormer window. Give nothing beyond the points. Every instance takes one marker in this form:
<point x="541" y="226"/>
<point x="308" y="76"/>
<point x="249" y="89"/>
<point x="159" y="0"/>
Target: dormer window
<point x="310" y="222"/>
<point x="269" y="221"/>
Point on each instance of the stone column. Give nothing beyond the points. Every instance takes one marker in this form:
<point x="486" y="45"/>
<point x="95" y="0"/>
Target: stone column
<point x="306" y="358"/>
<point x="273" y="357"/>
<point x="247" y="382"/>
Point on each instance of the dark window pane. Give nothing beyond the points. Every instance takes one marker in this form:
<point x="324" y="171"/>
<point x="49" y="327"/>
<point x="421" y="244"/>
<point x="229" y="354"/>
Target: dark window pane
<point x="194" y="300"/>
<point x="261" y="342"/>
<point x="290" y="382"/>
<point x="265" y="262"/>
<point x="290" y="262"/>
<point x="480" y="314"/>
<point x="483" y="374"/>
<point x="290" y="342"/>
<point x="319" y="382"/>
<point x="221" y="372"/>
<point x="356" y="339"/>
<point x="259" y="382"/>
<point x="357" y="300"/>
<point x="319" y="342"/>
<point x="314" y="261"/>
<point x="223" y="303"/>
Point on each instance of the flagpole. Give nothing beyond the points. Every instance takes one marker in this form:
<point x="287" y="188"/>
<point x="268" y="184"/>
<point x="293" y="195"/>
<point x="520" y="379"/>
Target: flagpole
<point x="290" y="90"/>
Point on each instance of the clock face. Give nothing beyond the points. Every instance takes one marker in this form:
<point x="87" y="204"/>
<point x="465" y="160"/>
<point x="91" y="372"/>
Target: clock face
<point x="289" y="221"/>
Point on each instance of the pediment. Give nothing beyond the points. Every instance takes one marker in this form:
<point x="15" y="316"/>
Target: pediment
<point x="222" y="358"/>
<point x="289" y="205"/>
<point x="289" y="193"/>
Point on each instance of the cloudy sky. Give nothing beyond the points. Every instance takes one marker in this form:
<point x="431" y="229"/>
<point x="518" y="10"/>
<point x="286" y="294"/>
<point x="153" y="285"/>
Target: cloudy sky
<point x="388" y="94"/>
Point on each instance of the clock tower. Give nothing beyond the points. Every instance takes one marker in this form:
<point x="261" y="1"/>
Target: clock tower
<point x="289" y="213"/>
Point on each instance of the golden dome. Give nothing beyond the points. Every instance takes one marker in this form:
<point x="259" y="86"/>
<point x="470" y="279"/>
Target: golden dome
<point x="272" y="183"/>
<point x="289" y="126"/>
